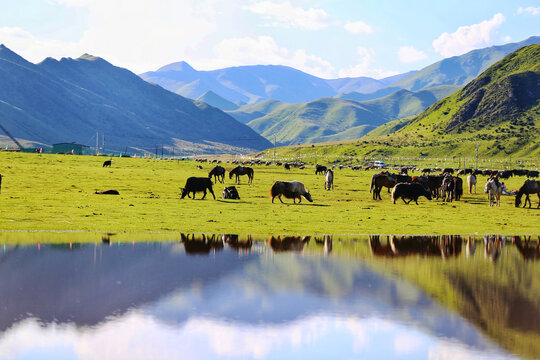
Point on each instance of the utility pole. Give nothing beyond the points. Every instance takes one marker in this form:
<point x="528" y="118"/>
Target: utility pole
<point x="477" y="145"/>
<point x="103" y="143"/>
<point x="274" y="148"/>
<point x="97" y="143"/>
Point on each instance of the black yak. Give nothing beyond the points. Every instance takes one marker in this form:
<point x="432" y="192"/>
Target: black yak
<point x="107" y="163"/>
<point x="197" y="184"/>
<point x="411" y="191"/>
<point x="291" y="190"/>
<point x="230" y="192"/>
<point x="320" y="169"/>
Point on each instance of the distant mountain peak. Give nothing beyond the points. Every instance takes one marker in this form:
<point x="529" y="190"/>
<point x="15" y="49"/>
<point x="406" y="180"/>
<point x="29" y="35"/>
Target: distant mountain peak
<point x="215" y="100"/>
<point x="7" y="54"/>
<point x="177" y="66"/>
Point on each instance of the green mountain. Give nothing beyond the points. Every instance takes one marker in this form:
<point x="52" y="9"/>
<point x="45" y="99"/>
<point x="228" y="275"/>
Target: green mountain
<point x="71" y="99"/>
<point x="455" y="71"/>
<point x="499" y="111"/>
<point x="460" y="70"/>
<point x="501" y="106"/>
<point x="213" y="99"/>
<point x="332" y="119"/>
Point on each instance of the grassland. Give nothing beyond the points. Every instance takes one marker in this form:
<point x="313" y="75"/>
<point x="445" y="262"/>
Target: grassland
<point x="55" y="193"/>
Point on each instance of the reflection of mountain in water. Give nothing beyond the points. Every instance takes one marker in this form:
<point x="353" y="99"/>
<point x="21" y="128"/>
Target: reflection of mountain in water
<point x="87" y="285"/>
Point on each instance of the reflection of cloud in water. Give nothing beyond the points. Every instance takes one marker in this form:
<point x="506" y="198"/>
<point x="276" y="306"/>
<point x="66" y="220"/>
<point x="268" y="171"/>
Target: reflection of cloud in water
<point x="138" y="336"/>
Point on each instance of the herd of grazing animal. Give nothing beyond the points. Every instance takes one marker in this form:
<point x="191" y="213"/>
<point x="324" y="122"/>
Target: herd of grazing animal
<point x="443" y="186"/>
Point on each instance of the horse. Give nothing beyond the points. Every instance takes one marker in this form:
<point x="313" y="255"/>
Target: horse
<point x="388" y="180"/>
<point x="493" y="189"/>
<point x="242" y="170"/>
<point x="329" y="180"/>
<point x="529" y="187"/>
<point x="471" y="181"/>
<point x="218" y="172"/>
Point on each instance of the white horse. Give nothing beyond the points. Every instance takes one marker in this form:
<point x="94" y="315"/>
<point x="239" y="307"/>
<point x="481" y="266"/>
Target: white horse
<point x="329" y="180"/>
<point x="471" y="181"/>
<point x="493" y="189"/>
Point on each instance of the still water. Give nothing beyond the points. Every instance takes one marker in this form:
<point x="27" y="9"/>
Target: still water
<point x="279" y="297"/>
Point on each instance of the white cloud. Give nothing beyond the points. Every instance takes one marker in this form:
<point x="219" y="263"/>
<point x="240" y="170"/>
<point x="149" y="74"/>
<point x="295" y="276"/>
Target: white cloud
<point x="364" y="67"/>
<point x="284" y="14"/>
<point x="408" y="54"/>
<point x="406" y="343"/>
<point x="126" y="36"/>
<point x="530" y="10"/>
<point x="264" y="50"/>
<point x="467" y="38"/>
<point x="358" y="27"/>
<point x="35" y="49"/>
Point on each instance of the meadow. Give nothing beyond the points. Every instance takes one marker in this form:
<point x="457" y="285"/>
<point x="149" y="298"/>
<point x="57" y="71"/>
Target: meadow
<point x="42" y="192"/>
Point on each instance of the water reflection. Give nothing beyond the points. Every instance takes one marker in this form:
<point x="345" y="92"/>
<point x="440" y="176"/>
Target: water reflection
<point x="241" y="296"/>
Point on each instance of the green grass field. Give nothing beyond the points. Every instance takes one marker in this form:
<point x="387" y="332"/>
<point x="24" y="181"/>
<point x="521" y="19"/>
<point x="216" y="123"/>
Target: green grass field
<point x="55" y="192"/>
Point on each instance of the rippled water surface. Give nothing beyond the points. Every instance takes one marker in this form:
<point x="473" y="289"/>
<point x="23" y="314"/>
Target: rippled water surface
<point x="242" y="297"/>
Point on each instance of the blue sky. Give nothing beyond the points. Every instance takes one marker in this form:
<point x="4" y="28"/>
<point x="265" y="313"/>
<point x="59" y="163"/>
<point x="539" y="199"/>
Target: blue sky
<point x="327" y="38"/>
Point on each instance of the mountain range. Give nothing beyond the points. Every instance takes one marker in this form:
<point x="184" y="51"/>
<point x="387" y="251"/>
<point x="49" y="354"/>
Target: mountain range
<point x="250" y="84"/>
<point x="292" y="107"/>
<point x="333" y="119"/>
<point x="501" y="107"/>
<point x="71" y="99"/>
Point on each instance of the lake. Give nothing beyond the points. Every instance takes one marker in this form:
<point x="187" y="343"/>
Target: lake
<point x="207" y="296"/>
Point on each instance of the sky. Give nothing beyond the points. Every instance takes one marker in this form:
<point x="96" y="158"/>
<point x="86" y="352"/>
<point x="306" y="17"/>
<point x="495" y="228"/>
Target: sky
<point x="326" y="38"/>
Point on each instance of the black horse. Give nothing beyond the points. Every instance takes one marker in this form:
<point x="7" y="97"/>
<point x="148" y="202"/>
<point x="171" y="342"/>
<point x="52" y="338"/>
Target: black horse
<point x="218" y="172"/>
<point x="241" y="170"/>
<point x="529" y="187"/>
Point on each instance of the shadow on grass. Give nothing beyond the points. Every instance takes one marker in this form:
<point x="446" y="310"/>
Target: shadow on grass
<point x="233" y="201"/>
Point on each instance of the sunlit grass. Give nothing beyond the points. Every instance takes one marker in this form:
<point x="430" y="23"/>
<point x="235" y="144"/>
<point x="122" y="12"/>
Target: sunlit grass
<point x="55" y="192"/>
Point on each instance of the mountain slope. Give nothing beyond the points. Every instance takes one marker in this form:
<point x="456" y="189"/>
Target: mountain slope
<point x="499" y="111"/>
<point x="71" y="99"/>
<point x="332" y="119"/>
<point x="213" y="99"/>
<point x="453" y="72"/>
<point x="459" y="70"/>
<point x="502" y="105"/>
<point x="251" y="84"/>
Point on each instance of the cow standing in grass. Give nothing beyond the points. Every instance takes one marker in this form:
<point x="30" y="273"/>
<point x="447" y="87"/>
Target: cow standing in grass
<point x="291" y="190"/>
<point x="410" y="191"/>
<point x="197" y="184"/>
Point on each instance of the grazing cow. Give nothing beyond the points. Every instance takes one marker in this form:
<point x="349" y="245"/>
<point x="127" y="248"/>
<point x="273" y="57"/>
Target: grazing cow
<point x="199" y="167"/>
<point x="107" y="192"/>
<point x="448" y="171"/>
<point x="218" y="172"/>
<point x="230" y="192"/>
<point x="471" y="181"/>
<point x="107" y="163"/>
<point x="329" y="180"/>
<point x="320" y="169"/>
<point x="197" y="184"/>
<point x="291" y="190"/>
<point x="411" y="191"/>
<point x="287" y="166"/>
